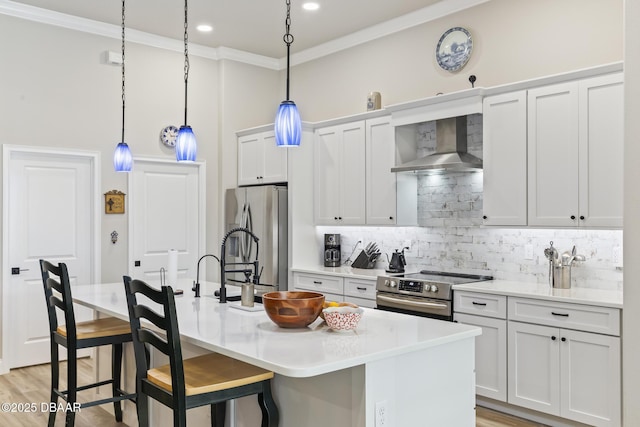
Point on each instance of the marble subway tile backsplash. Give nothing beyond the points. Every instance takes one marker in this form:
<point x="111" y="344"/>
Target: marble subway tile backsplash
<point x="499" y="252"/>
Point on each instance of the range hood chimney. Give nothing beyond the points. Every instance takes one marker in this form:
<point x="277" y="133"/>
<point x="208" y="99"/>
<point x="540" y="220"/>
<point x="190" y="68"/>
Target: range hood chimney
<point x="451" y="151"/>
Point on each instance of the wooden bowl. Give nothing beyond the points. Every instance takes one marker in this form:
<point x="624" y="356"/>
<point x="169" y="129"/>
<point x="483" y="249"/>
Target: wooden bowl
<point x="293" y="309"/>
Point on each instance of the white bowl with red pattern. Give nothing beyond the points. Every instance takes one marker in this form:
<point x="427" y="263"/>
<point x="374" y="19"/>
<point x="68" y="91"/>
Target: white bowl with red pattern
<point x="342" y="318"/>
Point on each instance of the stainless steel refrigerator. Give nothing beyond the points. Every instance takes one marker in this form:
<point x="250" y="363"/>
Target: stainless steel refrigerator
<point x="263" y="210"/>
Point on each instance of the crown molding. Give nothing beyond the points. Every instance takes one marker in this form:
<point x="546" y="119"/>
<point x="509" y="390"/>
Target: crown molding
<point x="427" y="14"/>
<point x="401" y="23"/>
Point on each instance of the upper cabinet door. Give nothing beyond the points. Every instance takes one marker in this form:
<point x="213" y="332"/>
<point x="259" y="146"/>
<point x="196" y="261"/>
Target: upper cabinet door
<point x="601" y="150"/>
<point x="339" y="168"/>
<point x="553" y="155"/>
<point x="505" y="159"/>
<point x="352" y="174"/>
<point x="380" y="181"/>
<point x="275" y="160"/>
<point x="326" y="180"/>
<point x="250" y="155"/>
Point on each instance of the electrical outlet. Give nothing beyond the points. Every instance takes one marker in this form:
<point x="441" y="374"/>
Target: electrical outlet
<point x="382" y="414"/>
<point x="407" y="244"/>
<point x="617" y="255"/>
<point x="528" y="251"/>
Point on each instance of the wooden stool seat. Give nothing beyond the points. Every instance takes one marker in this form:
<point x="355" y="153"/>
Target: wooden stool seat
<point x="200" y="376"/>
<point x="106" y="327"/>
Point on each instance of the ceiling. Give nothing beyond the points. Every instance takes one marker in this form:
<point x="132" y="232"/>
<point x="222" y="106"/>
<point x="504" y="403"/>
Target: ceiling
<point x="254" y="26"/>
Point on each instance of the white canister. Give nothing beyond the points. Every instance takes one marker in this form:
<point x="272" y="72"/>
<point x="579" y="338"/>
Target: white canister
<point x="374" y="101"/>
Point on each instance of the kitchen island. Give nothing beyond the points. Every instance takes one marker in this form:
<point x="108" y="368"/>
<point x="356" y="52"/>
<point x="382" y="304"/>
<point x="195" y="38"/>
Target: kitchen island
<point x="412" y="371"/>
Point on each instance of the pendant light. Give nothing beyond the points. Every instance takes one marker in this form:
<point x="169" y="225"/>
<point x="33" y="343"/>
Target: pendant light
<point x="288" y="127"/>
<point x="122" y="159"/>
<point x="186" y="145"/>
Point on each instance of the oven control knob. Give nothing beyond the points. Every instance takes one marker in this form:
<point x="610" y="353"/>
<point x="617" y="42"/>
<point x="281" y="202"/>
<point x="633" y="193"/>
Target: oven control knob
<point x="434" y="288"/>
<point x="392" y="283"/>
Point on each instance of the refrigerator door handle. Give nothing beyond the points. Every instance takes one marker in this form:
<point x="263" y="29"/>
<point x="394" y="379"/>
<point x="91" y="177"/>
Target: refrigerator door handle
<point x="246" y="243"/>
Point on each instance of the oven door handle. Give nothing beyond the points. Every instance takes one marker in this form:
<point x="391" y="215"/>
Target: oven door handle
<point x="413" y="303"/>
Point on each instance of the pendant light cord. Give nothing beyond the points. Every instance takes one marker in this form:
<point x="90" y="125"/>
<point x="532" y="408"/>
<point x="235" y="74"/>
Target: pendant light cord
<point x="186" y="57"/>
<point x="123" y="97"/>
<point x="288" y="39"/>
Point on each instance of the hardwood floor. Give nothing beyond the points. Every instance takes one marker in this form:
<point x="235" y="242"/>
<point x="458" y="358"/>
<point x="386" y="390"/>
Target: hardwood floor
<point x="31" y="385"/>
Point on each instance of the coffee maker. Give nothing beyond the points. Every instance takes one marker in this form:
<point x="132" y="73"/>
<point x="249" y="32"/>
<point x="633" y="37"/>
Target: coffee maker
<point x="332" y="250"/>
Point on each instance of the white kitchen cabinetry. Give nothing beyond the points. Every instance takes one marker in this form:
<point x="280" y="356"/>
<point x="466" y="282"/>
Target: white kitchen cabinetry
<point x="336" y="288"/>
<point x="332" y="287"/>
<point x="575" y="153"/>
<point x="339" y="174"/>
<point x="488" y="312"/>
<point x="260" y="161"/>
<point x="380" y="181"/>
<point x="555" y="369"/>
<point x="504" y="120"/>
<point x="361" y="292"/>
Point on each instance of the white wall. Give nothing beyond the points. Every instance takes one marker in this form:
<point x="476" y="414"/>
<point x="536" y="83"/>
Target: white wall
<point x="631" y="312"/>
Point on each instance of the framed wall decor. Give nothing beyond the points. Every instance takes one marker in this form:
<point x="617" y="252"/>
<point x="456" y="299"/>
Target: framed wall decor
<point x="114" y="202"/>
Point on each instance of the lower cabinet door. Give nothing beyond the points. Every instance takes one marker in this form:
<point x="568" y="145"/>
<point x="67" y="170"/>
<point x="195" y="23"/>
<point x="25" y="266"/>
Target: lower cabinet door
<point x="491" y="355"/>
<point x="534" y="367"/>
<point x="590" y="378"/>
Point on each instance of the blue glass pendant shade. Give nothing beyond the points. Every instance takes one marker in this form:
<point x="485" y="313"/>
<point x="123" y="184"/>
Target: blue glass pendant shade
<point x="122" y="159"/>
<point x="288" y="126"/>
<point x="186" y="145"/>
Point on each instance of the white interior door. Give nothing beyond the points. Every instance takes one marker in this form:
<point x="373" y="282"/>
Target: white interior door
<point x="167" y="205"/>
<point x="50" y="212"/>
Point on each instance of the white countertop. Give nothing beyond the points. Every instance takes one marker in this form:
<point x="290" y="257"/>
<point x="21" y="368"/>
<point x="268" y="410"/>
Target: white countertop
<point x="254" y="338"/>
<point x="599" y="297"/>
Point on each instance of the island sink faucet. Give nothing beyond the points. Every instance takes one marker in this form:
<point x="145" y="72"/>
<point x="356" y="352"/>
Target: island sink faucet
<point x="196" y="284"/>
<point x="245" y="267"/>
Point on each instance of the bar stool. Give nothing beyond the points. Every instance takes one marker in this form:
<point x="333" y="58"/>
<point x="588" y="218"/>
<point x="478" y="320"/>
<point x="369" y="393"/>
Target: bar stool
<point x="211" y="379"/>
<point x="74" y="336"/>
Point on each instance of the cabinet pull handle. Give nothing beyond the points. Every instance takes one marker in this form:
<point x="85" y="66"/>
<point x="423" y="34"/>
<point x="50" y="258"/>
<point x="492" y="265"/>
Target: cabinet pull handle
<point x="582" y="217"/>
<point x="560" y="314"/>
<point x="391" y="217"/>
<point x="553" y="338"/>
<point x="484" y="217"/>
<point x="478" y="303"/>
<point x="360" y="288"/>
<point x="573" y="217"/>
<point x="563" y="339"/>
<point x="317" y="282"/>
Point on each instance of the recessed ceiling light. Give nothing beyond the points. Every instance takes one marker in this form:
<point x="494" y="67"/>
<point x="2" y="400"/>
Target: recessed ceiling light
<point x="204" y="28"/>
<point x="310" y="6"/>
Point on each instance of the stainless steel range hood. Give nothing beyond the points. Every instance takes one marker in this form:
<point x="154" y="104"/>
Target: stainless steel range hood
<point x="451" y="151"/>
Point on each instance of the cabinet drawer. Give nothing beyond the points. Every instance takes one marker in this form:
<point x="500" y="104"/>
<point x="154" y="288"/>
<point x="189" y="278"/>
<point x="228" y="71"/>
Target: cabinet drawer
<point x="318" y="283"/>
<point x="589" y="318"/>
<point x="480" y="304"/>
<point x="360" y="288"/>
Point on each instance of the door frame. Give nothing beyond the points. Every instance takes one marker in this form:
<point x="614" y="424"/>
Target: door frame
<point x="8" y="151"/>
<point x="202" y="195"/>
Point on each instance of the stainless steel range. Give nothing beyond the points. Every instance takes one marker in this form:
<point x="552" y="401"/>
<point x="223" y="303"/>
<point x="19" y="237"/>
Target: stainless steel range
<point x="426" y="294"/>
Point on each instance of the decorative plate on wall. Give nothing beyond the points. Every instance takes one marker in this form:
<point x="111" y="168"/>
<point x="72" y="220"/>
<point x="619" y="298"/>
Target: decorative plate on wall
<point x="454" y="49"/>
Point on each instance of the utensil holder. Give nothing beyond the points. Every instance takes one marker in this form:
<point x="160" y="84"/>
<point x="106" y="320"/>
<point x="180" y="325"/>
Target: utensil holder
<point x="247" y="294"/>
<point x="561" y="277"/>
